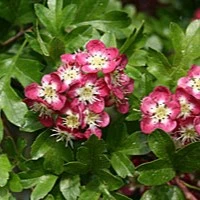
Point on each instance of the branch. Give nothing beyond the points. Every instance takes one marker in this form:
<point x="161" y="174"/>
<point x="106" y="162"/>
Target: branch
<point x="18" y="35"/>
<point x="185" y="190"/>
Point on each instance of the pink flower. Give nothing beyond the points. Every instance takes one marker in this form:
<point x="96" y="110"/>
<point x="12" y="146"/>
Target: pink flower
<point x="45" y="114"/>
<point x="98" y="58"/>
<point x="191" y="82"/>
<point x="189" y="105"/>
<point x="188" y="130"/>
<point x="92" y="122"/>
<point x="69" y="75"/>
<point x="159" y="111"/>
<point x="49" y="92"/>
<point x="196" y="14"/>
<point x="89" y="93"/>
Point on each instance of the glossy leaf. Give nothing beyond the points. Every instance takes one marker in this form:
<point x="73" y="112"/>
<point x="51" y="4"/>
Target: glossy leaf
<point x="161" y="144"/>
<point x="156" y="172"/>
<point x="1" y="129"/>
<point x="70" y="187"/>
<point x="44" y="185"/>
<point x="163" y="192"/>
<point x="5" y="167"/>
<point x="134" y="144"/>
<point x="14" y="183"/>
<point x="122" y="165"/>
<point x="187" y="159"/>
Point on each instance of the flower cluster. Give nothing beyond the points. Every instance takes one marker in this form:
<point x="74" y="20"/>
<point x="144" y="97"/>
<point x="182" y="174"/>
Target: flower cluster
<point x="73" y="98"/>
<point x="178" y="113"/>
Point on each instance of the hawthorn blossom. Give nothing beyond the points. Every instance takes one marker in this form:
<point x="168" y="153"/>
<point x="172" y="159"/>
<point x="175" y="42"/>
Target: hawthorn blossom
<point x="98" y="58"/>
<point x="89" y="93"/>
<point x="92" y="122"/>
<point x="159" y="111"/>
<point x="49" y="91"/>
<point x="45" y="114"/>
<point x="188" y="130"/>
<point x="189" y="105"/>
<point x="191" y="82"/>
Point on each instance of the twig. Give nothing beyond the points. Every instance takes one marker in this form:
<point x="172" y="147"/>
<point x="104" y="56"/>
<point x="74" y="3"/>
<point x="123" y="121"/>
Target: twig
<point x="187" y="193"/>
<point x="19" y="34"/>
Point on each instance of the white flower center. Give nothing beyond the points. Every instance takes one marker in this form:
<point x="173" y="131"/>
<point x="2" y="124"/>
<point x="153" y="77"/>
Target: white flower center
<point x="88" y="93"/>
<point x="185" y="108"/>
<point x="41" y="108"/>
<point x="161" y="113"/>
<point x="97" y="61"/>
<point x="72" y="121"/>
<point x="92" y="119"/>
<point x="70" y="74"/>
<point x="188" y="134"/>
<point x="48" y="92"/>
<point x="195" y="84"/>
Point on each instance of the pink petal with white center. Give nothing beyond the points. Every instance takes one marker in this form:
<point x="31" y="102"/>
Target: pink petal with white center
<point x="68" y="58"/>
<point x="95" y="45"/>
<point x="102" y="87"/>
<point x="148" y="106"/>
<point x="147" y="126"/>
<point x="52" y="79"/>
<point x="98" y="106"/>
<point x="58" y="103"/>
<point x="105" y="119"/>
<point x="32" y="91"/>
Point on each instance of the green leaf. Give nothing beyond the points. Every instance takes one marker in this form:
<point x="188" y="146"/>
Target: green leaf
<point x="5" y="195"/>
<point x="188" y="158"/>
<point x="46" y="17"/>
<point x="49" y="197"/>
<point x="41" y="145"/>
<point x="79" y="36"/>
<point x="14" y="183"/>
<point x="57" y="48"/>
<point x="156" y="172"/>
<point x="109" y="39"/>
<point x="119" y="196"/>
<point x="134" y="144"/>
<point x="1" y="129"/>
<point x="122" y="165"/>
<point x="117" y="132"/>
<point x="161" y="144"/>
<point x="43" y="187"/>
<point x="31" y="122"/>
<point x="88" y="10"/>
<point x="163" y="192"/>
<point x="91" y="191"/>
<point x="109" y="180"/>
<point x="10" y="102"/>
<point x="134" y="41"/>
<point x="186" y="48"/>
<point x="92" y="155"/>
<point x="109" y="21"/>
<point x="5" y="167"/>
<point x="70" y="187"/>
<point x="76" y="168"/>
<point x="159" y="66"/>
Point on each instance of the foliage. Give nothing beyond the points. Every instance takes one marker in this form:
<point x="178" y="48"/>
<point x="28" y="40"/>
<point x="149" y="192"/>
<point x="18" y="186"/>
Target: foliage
<point x="32" y="162"/>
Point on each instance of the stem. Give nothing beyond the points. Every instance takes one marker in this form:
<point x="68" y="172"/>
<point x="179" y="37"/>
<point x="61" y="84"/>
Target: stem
<point x="18" y="35"/>
<point x="187" y="193"/>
